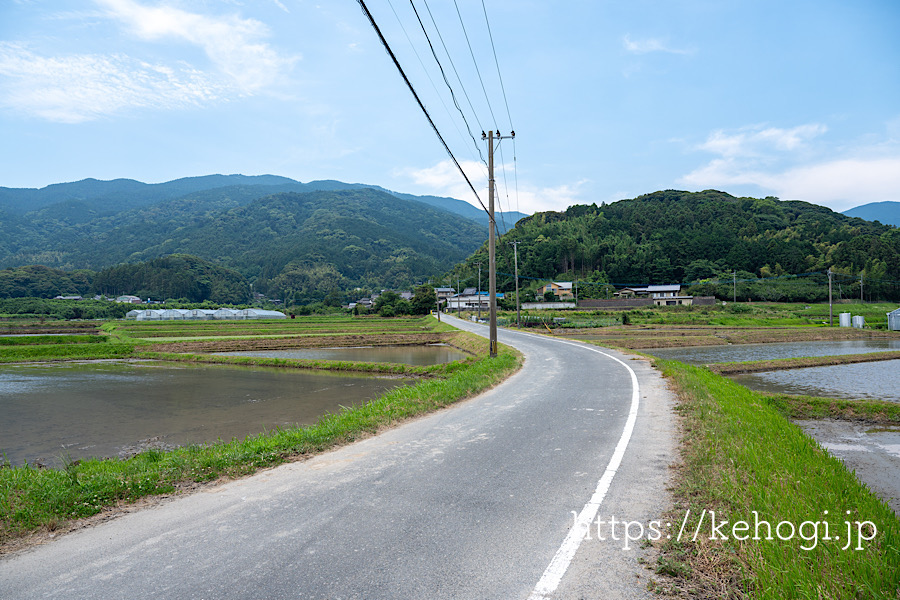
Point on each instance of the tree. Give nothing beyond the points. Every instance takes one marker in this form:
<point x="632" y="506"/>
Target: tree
<point x="424" y="300"/>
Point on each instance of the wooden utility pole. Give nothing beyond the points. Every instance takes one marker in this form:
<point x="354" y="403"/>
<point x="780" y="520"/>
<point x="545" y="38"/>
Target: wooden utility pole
<point x="492" y="249"/>
<point x="830" y="306"/>
<point x="492" y="241"/>
<point x="515" y="245"/>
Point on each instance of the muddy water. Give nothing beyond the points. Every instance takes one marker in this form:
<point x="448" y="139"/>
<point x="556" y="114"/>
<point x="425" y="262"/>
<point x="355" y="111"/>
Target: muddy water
<point x="104" y="409"/>
<point x="874" y="380"/>
<point x="873" y="453"/>
<point x="432" y="354"/>
<point x="744" y="352"/>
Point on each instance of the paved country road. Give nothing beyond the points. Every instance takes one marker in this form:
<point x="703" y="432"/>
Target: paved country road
<point x="475" y="501"/>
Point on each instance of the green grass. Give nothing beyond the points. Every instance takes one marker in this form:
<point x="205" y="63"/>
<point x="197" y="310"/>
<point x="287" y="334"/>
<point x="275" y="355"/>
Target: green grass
<point x="740" y="455"/>
<point x="68" y="351"/>
<point x="32" y="498"/>
<point x="811" y="407"/>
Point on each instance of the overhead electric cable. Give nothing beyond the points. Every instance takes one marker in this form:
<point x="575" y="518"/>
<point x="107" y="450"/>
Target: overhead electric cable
<point x="453" y="65"/>
<point x="369" y="16"/>
<point x="427" y="74"/>
<point x="496" y="62"/>
<point x="475" y="62"/>
<point x="449" y="87"/>
<point x="506" y="103"/>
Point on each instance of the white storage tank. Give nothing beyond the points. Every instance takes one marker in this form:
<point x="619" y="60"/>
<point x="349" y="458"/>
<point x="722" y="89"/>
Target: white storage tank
<point x="845" y="319"/>
<point x="859" y="321"/>
<point x="893" y="318"/>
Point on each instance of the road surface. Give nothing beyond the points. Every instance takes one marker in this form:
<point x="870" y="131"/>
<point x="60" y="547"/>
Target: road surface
<point x="475" y="501"/>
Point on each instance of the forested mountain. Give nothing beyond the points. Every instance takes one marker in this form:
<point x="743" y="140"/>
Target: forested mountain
<point x="884" y="212"/>
<point x="682" y="237"/>
<point x="297" y="245"/>
<point x="85" y="200"/>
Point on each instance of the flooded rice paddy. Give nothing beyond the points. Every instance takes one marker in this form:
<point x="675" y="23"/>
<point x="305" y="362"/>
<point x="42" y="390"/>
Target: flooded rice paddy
<point x="53" y="412"/>
<point x="703" y="355"/>
<point x="431" y="354"/>
<point x="874" y="380"/>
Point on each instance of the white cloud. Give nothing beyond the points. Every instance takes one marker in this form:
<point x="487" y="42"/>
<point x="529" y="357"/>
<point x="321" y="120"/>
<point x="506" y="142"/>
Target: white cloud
<point x="777" y="161"/>
<point x="231" y="43"/>
<point x="444" y="179"/>
<point x="649" y="45"/>
<point x="756" y="140"/>
<point x="76" y="88"/>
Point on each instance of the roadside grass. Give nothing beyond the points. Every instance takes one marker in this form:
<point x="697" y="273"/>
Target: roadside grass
<point x="741" y="458"/>
<point x="33" y="499"/>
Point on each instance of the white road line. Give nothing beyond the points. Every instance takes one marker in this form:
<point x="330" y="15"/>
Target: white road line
<point x="557" y="568"/>
<point x="554" y="572"/>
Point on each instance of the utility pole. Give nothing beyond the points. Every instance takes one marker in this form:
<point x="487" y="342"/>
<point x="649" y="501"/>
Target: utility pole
<point x="458" y="300"/>
<point x="515" y="245"/>
<point x="492" y="242"/>
<point x="734" y="298"/>
<point x="830" y="306"/>
<point x="861" y="287"/>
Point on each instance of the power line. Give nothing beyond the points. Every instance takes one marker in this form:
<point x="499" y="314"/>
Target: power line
<point x="444" y="75"/>
<point x="496" y="62"/>
<point x="427" y="74"/>
<point x="475" y="62"/>
<point x="508" y="114"/>
<point x="387" y="47"/>
<point x="453" y="65"/>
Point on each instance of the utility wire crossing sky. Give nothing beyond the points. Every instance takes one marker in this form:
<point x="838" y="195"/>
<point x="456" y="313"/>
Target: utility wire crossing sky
<point x="610" y="100"/>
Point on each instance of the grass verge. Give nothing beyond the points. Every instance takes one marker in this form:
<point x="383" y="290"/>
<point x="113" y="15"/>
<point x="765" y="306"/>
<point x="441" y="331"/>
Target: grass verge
<point x="32" y="499"/>
<point x="744" y="460"/>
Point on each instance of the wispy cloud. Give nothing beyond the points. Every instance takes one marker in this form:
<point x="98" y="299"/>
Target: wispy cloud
<point x="443" y="179"/>
<point x="76" y="88"/>
<point x="232" y="43"/>
<point x="782" y="162"/>
<point x="758" y="140"/>
<point x="648" y="45"/>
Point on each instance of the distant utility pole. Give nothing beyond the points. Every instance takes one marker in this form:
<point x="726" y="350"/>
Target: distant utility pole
<point x="515" y="245"/>
<point x="458" y="300"/>
<point x="734" y="293"/>
<point x="861" y="287"/>
<point x="492" y="242"/>
<point x="830" y="306"/>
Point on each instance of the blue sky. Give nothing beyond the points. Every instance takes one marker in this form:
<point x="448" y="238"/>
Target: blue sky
<point x="609" y="100"/>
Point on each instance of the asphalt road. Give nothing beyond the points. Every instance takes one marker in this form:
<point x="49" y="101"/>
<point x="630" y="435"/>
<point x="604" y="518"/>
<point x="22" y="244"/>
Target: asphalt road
<point x="475" y="501"/>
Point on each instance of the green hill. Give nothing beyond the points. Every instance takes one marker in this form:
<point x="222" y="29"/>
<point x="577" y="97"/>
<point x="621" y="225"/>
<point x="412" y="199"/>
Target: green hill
<point x="683" y="237"/>
<point x="301" y="245"/>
